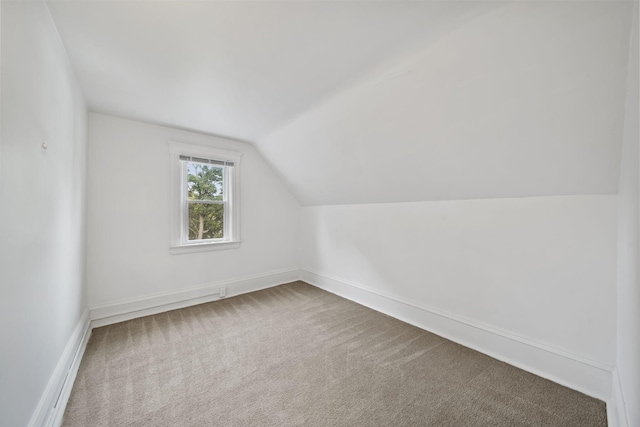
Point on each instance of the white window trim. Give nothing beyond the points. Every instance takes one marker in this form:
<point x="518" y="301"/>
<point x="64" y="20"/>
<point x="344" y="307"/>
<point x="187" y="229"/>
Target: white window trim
<point x="232" y="180"/>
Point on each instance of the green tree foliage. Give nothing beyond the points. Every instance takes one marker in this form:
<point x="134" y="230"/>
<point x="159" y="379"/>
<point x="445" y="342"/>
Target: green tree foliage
<point x="206" y="220"/>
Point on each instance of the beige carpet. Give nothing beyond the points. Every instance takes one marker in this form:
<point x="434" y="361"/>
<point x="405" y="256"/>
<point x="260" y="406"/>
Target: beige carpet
<point x="296" y="355"/>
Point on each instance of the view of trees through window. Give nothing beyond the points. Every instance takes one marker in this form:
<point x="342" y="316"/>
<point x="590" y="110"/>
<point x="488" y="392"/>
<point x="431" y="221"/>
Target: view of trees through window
<point x="205" y="201"/>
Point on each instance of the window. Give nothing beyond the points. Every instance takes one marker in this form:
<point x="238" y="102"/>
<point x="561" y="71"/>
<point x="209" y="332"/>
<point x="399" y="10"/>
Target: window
<point x="204" y="198"/>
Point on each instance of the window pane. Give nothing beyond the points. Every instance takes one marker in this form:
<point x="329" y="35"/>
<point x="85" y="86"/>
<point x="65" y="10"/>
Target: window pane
<point x="206" y="221"/>
<point x="204" y="182"/>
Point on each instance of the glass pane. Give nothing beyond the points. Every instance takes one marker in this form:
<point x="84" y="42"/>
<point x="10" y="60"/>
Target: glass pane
<point x="206" y="221"/>
<point x="204" y="181"/>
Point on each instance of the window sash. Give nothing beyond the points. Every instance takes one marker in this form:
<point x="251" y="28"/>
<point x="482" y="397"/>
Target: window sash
<point x="225" y="216"/>
<point x="227" y="226"/>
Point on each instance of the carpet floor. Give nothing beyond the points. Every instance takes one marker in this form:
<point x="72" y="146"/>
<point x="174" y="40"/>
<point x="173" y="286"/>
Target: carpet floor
<point x="296" y="355"/>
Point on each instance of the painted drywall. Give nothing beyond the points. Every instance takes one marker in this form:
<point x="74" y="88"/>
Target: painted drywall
<point x="129" y="208"/>
<point x="526" y="100"/>
<point x="238" y="69"/>
<point x="543" y="269"/>
<point x="42" y="207"/>
<point x="628" y="360"/>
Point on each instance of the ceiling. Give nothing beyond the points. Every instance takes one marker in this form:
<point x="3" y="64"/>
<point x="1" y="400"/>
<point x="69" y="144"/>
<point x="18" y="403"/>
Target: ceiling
<point x="236" y="69"/>
<point x="364" y="102"/>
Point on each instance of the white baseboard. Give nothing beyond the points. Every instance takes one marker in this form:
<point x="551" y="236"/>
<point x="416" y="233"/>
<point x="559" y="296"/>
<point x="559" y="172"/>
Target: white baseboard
<point x="51" y="406"/>
<point x="119" y="311"/>
<point x="587" y="376"/>
<point x="616" y="410"/>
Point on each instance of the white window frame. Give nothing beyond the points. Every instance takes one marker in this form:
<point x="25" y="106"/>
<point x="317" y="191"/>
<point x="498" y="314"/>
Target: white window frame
<point x="179" y="240"/>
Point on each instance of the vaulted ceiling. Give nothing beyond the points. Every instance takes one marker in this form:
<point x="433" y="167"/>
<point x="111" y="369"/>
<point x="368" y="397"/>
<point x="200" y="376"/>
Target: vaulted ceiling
<point x="237" y="69"/>
<point x="359" y="102"/>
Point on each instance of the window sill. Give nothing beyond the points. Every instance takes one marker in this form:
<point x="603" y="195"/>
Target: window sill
<point x="203" y="247"/>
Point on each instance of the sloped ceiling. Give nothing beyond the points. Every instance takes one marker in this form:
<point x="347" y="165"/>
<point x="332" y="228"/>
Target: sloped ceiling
<point x="361" y="102"/>
<point x="237" y="69"/>
<point x="525" y="101"/>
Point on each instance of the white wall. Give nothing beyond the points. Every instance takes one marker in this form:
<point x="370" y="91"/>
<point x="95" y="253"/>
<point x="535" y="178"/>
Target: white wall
<point x="527" y="100"/>
<point x="42" y="207"/>
<point x="538" y="268"/>
<point x="129" y="208"/>
<point x="629" y="254"/>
